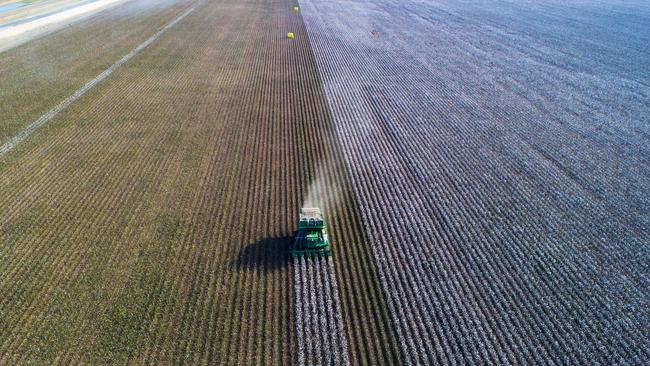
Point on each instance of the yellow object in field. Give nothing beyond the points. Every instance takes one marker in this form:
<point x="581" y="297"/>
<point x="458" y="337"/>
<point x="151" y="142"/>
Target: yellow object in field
<point x="290" y="35"/>
<point x="295" y="8"/>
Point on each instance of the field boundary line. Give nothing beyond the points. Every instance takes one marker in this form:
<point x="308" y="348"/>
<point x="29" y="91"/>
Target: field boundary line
<point x="49" y="115"/>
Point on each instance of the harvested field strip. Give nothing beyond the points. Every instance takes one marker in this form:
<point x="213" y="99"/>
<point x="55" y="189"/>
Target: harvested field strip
<point x="487" y="245"/>
<point x="319" y="321"/>
<point x="150" y="221"/>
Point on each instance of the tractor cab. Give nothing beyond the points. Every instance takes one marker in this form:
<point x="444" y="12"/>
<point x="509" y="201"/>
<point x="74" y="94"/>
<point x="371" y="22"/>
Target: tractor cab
<point x="311" y="236"/>
<point x="314" y="237"/>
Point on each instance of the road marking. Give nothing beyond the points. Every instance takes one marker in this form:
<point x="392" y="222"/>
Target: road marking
<point x="22" y="135"/>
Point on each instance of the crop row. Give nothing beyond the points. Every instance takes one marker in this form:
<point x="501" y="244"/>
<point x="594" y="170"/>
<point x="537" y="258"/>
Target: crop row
<point x="38" y="75"/>
<point x="149" y="222"/>
<point x="319" y="322"/>
<point x="487" y="248"/>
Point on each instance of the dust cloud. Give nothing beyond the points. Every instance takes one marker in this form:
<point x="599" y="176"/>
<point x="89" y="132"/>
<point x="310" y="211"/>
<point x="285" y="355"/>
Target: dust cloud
<point x="323" y="190"/>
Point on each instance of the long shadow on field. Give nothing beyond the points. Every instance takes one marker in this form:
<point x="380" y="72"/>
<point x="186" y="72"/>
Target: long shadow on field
<point x="268" y="254"/>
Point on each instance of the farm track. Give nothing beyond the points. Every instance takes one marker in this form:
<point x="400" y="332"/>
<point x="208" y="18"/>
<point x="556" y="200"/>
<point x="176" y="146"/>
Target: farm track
<point x="49" y="115"/>
<point x="32" y="86"/>
<point x="497" y="234"/>
<point x="150" y="220"/>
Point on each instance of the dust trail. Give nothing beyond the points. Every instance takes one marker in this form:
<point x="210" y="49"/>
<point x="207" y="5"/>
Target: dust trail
<point x="321" y="337"/>
<point x="22" y="135"/>
<point x="321" y="191"/>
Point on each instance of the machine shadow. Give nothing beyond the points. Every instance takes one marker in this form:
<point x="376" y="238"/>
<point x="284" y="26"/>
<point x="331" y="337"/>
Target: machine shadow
<point x="268" y="254"/>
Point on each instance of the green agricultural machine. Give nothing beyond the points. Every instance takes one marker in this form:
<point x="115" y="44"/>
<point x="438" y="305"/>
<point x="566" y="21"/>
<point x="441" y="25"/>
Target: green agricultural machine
<point x="311" y="236"/>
